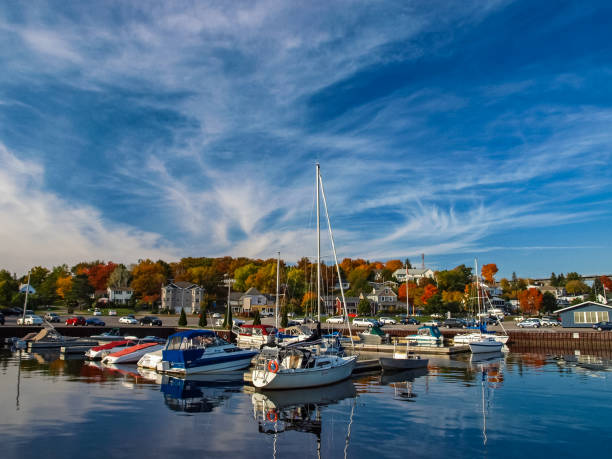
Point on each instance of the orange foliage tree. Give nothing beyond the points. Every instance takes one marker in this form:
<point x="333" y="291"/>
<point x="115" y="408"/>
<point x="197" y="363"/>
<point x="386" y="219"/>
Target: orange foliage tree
<point x="63" y="285"/>
<point x="148" y="280"/>
<point x="429" y="291"/>
<point x="98" y="275"/>
<point x="489" y="271"/>
<point x="606" y="282"/>
<point x="392" y="265"/>
<point x="530" y="300"/>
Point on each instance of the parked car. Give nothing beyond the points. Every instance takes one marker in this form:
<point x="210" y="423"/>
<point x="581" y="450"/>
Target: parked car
<point x="97" y="312"/>
<point x="410" y="321"/>
<point x="433" y="323"/>
<point x="216" y="315"/>
<point x="335" y="320"/>
<point x="150" y="320"/>
<point x="454" y="323"/>
<point x="52" y="317"/>
<point x="548" y="322"/>
<point x="128" y="320"/>
<point x="387" y="321"/>
<point x="359" y="322"/>
<point x="112" y="312"/>
<point x="95" y="322"/>
<point x="30" y="319"/>
<point x="76" y="320"/>
<point x="1" y="318"/>
<point x="529" y="323"/>
<point x="601" y="326"/>
<point x="303" y="320"/>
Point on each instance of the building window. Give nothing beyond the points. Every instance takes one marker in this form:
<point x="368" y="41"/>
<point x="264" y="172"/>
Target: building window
<point x="590" y="317"/>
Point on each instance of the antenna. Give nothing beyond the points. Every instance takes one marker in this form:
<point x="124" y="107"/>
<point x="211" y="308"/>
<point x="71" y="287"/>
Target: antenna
<point x="423" y="261"/>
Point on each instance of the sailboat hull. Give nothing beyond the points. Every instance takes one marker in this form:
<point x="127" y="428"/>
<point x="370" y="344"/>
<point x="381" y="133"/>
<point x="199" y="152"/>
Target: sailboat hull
<point x="487" y="345"/>
<point x="300" y="378"/>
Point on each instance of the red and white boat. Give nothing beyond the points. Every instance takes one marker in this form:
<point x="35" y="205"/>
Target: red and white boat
<point x="255" y="335"/>
<point x="99" y="352"/>
<point x="132" y="354"/>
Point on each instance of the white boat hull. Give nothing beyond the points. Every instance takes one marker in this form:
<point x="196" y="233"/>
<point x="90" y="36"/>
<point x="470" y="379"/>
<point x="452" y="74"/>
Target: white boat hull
<point x="132" y="357"/>
<point x="300" y="378"/>
<point x="150" y="360"/>
<point x="486" y="345"/>
<point x="223" y="367"/>
<point x="475" y="337"/>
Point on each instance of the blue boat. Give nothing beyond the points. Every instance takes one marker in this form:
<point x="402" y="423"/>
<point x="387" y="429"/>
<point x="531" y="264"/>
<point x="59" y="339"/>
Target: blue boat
<point x="202" y="351"/>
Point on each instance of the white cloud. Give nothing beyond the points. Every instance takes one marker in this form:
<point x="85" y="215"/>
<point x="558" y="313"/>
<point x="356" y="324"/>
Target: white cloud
<point x="40" y="228"/>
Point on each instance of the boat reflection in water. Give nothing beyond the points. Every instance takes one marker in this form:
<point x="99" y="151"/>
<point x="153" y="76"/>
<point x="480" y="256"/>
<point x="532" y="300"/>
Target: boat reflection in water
<point x="402" y="382"/>
<point x="200" y="393"/>
<point x="299" y="409"/>
<point x="490" y="367"/>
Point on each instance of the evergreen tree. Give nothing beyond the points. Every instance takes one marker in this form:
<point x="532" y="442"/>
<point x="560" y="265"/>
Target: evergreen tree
<point x="549" y="302"/>
<point x="256" y="318"/>
<point x="183" y="319"/>
<point x="284" y="319"/>
<point x="364" y="308"/>
<point x="228" y="321"/>
<point x="553" y="280"/>
<point x="202" y="322"/>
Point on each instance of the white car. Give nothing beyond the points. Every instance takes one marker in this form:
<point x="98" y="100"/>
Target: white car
<point x="30" y="319"/>
<point x="387" y="321"/>
<point x="530" y="323"/>
<point x="127" y="320"/>
<point x="112" y="312"/>
<point x="335" y="320"/>
<point x="97" y="312"/>
<point x="363" y="322"/>
<point x="216" y="315"/>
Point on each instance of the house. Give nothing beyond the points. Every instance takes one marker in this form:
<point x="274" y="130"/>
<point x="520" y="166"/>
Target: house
<point x="332" y="305"/>
<point x="584" y="314"/>
<point x="383" y="298"/>
<point x="182" y="295"/>
<point x="345" y="286"/>
<point x="559" y="292"/>
<point x="119" y="295"/>
<point x="236" y="302"/>
<point x="252" y="299"/>
<point x="414" y="274"/>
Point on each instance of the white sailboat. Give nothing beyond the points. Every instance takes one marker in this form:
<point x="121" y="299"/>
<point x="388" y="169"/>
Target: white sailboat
<point x="297" y="365"/>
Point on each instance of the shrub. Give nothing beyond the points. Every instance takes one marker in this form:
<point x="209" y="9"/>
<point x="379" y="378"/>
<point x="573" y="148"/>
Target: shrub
<point x="183" y="319"/>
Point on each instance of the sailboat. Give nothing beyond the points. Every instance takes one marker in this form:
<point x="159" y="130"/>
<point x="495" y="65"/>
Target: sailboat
<point x="298" y="365"/>
<point x="484" y="343"/>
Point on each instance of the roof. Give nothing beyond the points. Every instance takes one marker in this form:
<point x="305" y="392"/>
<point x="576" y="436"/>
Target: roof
<point x="252" y="291"/>
<point x="583" y="304"/>
<point x="192" y="333"/>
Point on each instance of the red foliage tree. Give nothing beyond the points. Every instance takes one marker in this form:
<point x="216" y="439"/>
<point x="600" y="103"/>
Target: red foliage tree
<point x="530" y="300"/>
<point x="429" y="291"/>
<point x="98" y="275"/>
<point x="606" y="282"/>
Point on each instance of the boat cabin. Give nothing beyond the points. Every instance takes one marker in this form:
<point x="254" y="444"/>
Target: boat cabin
<point x="256" y="330"/>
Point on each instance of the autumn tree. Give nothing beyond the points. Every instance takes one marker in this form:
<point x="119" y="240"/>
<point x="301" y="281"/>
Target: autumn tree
<point x="242" y="274"/>
<point x="530" y="300"/>
<point x="120" y="277"/>
<point x="296" y="284"/>
<point x="606" y="282"/>
<point x="488" y="272"/>
<point x="576" y="287"/>
<point x="148" y="278"/>
<point x="429" y="291"/>
<point x="358" y="279"/>
<point x="454" y="279"/>
<point x="98" y="275"/>
<point x="63" y="286"/>
<point x="393" y="265"/>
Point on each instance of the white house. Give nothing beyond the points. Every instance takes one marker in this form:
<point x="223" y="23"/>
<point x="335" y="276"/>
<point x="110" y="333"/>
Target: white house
<point x="414" y="274"/>
<point x="251" y="298"/>
<point x="182" y="295"/>
<point x="119" y="295"/>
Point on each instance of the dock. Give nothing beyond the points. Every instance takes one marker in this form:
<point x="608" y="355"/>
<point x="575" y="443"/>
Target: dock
<point x="428" y="350"/>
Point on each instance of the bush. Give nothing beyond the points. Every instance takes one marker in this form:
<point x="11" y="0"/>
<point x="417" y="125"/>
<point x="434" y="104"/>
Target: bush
<point x="284" y="319"/>
<point x="227" y="322"/>
<point x="202" y="322"/>
<point x="183" y="319"/>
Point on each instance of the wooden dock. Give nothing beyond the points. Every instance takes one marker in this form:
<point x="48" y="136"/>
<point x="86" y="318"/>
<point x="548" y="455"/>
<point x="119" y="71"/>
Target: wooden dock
<point x="428" y="350"/>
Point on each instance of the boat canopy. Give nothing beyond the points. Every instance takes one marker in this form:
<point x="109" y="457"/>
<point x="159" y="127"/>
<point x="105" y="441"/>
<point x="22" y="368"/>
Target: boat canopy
<point x="193" y="333"/>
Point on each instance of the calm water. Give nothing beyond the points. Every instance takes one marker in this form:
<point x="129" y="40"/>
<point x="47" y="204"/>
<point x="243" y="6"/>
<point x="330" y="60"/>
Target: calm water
<point x="516" y="404"/>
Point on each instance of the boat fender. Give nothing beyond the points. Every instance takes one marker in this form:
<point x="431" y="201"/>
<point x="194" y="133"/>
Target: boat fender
<point x="272" y="366"/>
<point x="271" y="416"/>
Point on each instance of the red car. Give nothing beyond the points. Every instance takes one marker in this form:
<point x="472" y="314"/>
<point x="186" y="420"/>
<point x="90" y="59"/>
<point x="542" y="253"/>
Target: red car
<point x="78" y="320"/>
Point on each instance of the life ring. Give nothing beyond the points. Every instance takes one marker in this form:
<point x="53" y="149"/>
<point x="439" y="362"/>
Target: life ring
<point x="272" y="366"/>
<point x="271" y="416"/>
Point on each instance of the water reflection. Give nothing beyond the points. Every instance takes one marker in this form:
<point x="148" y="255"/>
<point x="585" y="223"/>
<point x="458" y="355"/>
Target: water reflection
<point x="298" y="410"/>
<point x="402" y="383"/>
<point x="199" y="393"/>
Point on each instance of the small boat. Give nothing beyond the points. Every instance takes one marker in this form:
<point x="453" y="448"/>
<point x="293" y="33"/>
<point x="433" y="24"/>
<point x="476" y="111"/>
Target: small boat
<point x="131" y="354"/>
<point x="151" y="359"/>
<point x="467" y="338"/>
<point x="113" y="335"/>
<point x="202" y="351"/>
<point x="373" y="335"/>
<point x="486" y="344"/>
<point x="254" y="335"/>
<point x="427" y="335"/>
<point x="99" y="352"/>
<point x="298" y="367"/>
<point x="293" y="334"/>
<point x="402" y="361"/>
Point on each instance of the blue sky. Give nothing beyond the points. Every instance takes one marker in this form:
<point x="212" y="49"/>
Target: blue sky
<point x="168" y="129"/>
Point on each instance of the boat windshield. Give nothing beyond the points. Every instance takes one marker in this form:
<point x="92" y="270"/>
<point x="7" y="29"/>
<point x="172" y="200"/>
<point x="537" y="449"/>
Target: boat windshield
<point x="196" y="342"/>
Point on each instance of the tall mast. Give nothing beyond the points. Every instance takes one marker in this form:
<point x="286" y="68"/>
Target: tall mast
<point x="25" y="303"/>
<point x="277" y="285"/>
<point x="477" y="286"/>
<point x="407" y="301"/>
<point x="319" y="249"/>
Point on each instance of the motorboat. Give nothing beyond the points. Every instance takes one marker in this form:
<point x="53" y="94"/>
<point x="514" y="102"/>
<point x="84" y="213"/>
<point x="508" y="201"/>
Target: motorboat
<point x="112" y="335"/>
<point x="402" y="361"/>
<point x="467" y="338"/>
<point x="293" y="334"/>
<point x="373" y="335"/>
<point x="99" y="352"/>
<point x="298" y="367"/>
<point x="486" y="344"/>
<point x="427" y="335"/>
<point x="254" y="335"/>
<point x="131" y="354"/>
<point x="202" y="351"/>
<point x="151" y="359"/>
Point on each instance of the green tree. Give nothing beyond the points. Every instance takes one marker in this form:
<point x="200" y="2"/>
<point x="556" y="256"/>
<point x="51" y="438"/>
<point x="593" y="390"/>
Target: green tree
<point x="454" y="279"/>
<point x="8" y="287"/>
<point x="81" y="291"/>
<point x="358" y="279"/>
<point x="549" y="302"/>
<point x="256" y="317"/>
<point x="573" y="276"/>
<point x="202" y="322"/>
<point x="242" y="274"/>
<point x="576" y="287"/>
<point x="228" y="320"/>
<point x="120" y="277"/>
<point x="364" y="308"/>
<point x="182" y="319"/>
<point x="296" y="283"/>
